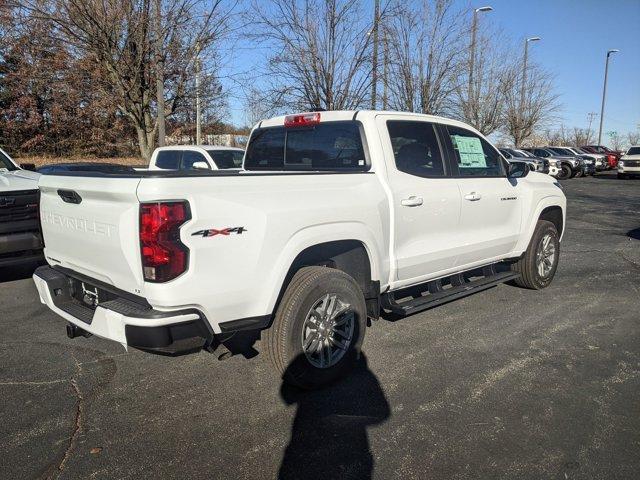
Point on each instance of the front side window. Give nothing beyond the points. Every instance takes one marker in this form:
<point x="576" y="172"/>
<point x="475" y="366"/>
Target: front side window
<point x="541" y="153"/>
<point x="415" y="148"/>
<point x="474" y="155"/>
<point x="326" y="146"/>
<point x="6" y="163"/>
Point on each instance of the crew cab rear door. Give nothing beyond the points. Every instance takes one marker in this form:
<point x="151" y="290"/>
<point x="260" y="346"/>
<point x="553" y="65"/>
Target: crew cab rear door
<point x="426" y="199"/>
<point x="491" y="204"/>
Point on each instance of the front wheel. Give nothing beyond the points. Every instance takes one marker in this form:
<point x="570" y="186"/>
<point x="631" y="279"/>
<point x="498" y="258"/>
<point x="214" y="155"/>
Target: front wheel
<point x="538" y="265"/>
<point x="564" y="172"/>
<point x="622" y="176"/>
<point x="318" y="328"/>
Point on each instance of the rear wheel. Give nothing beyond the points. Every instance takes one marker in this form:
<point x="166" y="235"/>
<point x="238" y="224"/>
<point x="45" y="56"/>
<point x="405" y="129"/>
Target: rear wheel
<point x="318" y="328"/>
<point x="538" y="265"/>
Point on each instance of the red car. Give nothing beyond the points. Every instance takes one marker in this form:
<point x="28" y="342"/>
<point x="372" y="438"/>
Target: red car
<point x="612" y="155"/>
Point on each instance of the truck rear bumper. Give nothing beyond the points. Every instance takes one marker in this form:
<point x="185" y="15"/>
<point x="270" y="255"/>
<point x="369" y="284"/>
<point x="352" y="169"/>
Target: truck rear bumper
<point x="122" y="320"/>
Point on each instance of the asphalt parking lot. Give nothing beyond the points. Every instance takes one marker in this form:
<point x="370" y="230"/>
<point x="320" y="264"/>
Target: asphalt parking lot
<point x="508" y="383"/>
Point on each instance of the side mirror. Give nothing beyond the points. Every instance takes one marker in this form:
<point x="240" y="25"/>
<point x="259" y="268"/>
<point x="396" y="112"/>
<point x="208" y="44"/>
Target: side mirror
<point x="28" y="166"/>
<point x="201" y="165"/>
<point x="518" y="170"/>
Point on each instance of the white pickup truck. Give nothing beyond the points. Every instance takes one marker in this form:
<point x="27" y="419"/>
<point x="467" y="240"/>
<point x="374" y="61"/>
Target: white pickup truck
<point x="187" y="157"/>
<point x="336" y="219"/>
<point x="20" y="239"/>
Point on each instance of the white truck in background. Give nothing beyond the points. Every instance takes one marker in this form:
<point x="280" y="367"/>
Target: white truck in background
<point x="20" y="238"/>
<point x="188" y="157"/>
<point x="336" y="219"/>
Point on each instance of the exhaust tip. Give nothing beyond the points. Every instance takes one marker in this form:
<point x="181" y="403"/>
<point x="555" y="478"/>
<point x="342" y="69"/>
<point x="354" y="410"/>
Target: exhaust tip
<point x="74" y="331"/>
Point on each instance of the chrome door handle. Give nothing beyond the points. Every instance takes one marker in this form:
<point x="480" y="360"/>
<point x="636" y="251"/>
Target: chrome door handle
<point x="412" y="201"/>
<point x="473" y="197"/>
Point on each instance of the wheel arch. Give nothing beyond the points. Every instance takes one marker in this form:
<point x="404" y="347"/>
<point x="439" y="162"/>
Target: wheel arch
<point x="350" y="255"/>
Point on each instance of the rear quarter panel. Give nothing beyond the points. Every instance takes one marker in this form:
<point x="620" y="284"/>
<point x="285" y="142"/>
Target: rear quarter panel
<point x="239" y="275"/>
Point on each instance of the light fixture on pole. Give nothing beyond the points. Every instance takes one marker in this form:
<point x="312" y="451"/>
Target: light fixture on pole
<point x="604" y="92"/>
<point x="472" y="53"/>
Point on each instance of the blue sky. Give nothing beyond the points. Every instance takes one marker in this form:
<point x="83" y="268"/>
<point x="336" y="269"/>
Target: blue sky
<point x="576" y="35"/>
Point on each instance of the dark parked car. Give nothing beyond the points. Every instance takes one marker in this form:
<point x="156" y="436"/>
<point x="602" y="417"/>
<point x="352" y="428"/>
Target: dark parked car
<point x="537" y="164"/>
<point x="588" y="165"/>
<point x="569" y="166"/>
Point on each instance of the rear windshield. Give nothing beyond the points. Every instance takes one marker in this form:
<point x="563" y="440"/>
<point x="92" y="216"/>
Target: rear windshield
<point x="326" y="146"/>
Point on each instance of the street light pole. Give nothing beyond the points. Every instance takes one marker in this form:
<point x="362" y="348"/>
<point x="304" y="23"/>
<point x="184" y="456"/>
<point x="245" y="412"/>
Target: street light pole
<point x="604" y="92"/>
<point x="472" y="53"/>
<point x="524" y="71"/>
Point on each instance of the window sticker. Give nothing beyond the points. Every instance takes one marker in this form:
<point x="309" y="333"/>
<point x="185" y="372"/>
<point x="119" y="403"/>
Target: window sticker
<point x="470" y="150"/>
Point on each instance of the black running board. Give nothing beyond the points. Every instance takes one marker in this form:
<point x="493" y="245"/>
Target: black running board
<point x="438" y="297"/>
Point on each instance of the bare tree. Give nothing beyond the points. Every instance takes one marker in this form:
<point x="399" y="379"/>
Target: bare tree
<point x="322" y="58"/>
<point x="119" y="37"/>
<point x="481" y="104"/>
<point x="540" y="102"/>
<point x="424" y="44"/>
<point x="617" y="141"/>
<point x="634" y="137"/>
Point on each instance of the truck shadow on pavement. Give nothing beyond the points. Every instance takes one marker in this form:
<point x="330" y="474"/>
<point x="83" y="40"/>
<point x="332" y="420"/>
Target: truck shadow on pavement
<point x="18" y="272"/>
<point x="635" y="233"/>
<point x="329" y="435"/>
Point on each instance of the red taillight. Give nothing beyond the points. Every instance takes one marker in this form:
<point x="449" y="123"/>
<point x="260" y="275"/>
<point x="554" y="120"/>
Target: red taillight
<point x="164" y="256"/>
<point x="302" y="120"/>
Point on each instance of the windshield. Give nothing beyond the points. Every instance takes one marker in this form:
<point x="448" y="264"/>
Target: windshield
<point x="633" y="151"/>
<point x="562" y="151"/>
<point x="326" y="146"/>
<point x="5" y="163"/>
<point x="226" y="158"/>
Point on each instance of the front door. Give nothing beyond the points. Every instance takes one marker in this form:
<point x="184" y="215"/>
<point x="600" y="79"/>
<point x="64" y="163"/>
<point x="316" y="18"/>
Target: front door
<point x="491" y="203"/>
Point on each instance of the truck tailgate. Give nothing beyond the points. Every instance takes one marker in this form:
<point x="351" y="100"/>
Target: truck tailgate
<point x="90" y="225"/>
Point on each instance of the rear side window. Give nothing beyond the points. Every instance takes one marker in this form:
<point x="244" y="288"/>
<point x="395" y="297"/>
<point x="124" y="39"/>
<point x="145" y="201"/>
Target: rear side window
<point x="226" y="158"/>
<point x="169" y="159"/>
<point x="474" y="155"/>
<point x="415" y="148"/>
<point x="326" y="146"/>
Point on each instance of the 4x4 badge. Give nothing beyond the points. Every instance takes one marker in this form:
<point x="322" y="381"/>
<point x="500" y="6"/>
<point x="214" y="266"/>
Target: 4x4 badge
<point x="212" y="232"/>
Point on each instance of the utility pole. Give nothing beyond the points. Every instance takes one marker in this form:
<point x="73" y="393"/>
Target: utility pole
<point x="374" y="60"/>
<point x="591" y="116"/>
<point x="472" y="54"/>
<point x="604" y="93"/>
<point x="159" y="72"/>
<point x="198" y="116"/>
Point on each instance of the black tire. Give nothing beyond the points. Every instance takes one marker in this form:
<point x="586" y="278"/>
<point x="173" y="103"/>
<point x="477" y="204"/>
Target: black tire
<point x="622" y="176"/>
<point x="284" y="339"/>
<point x="565" y="172"/>
<point x="527" y="265"/>
<point x="576" y="174"/>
